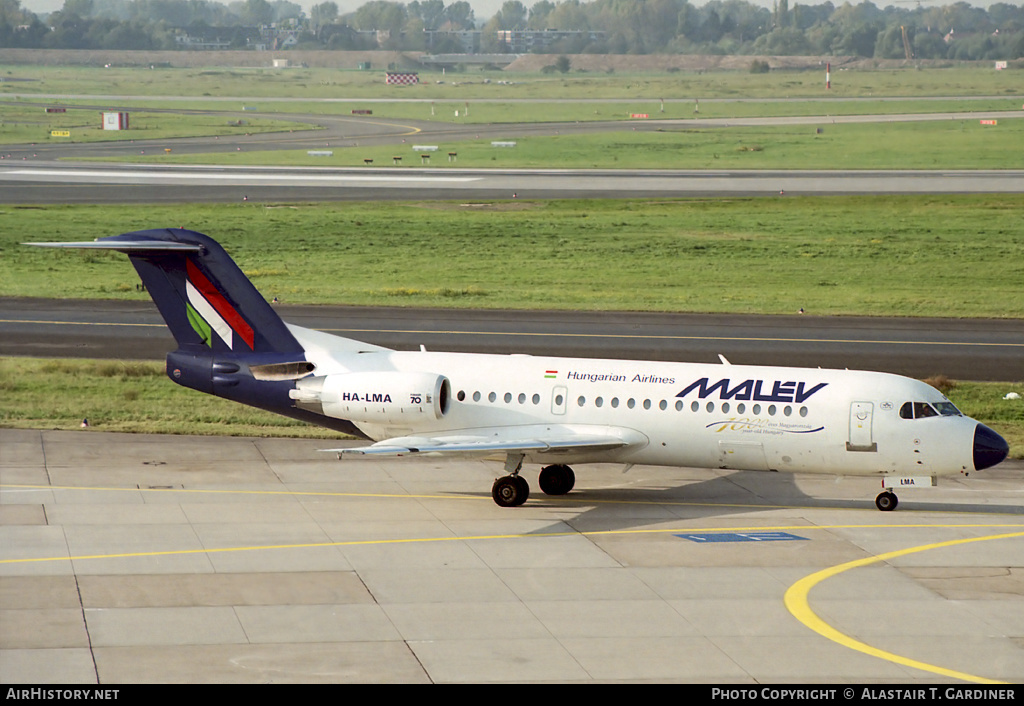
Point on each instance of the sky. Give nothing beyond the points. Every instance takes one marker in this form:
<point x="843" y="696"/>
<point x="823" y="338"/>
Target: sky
<point x="485" y="9"/>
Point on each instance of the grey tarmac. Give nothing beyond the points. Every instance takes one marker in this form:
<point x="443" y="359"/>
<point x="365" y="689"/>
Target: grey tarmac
<point x="147" y="559"/>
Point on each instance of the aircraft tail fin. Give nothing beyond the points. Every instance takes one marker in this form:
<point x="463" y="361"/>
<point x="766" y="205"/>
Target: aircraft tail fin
<point x="206" y="300"/>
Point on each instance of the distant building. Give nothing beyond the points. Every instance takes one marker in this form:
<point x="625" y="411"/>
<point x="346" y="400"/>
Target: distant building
<point x="194" y="43"/>
<point x="526" y="41"/>
<point x="276" y="37"/>
<point x="467" y="39"/>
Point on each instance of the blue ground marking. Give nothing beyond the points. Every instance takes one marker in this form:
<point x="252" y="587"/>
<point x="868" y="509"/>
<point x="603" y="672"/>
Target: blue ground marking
<point x="740" y="537"/>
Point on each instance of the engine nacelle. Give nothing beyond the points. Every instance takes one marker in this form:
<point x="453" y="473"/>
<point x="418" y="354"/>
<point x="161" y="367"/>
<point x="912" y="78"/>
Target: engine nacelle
<point x="378" y="397"/>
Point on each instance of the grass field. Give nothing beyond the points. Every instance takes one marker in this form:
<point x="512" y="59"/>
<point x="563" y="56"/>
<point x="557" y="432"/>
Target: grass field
<point x="25" y="124"/>
<point x="216" y="101"/>
<point x="131" y="396"/>
<point x="957" y="144"/>
<point x="324" y="83"/>
<point x="858" y="255"/>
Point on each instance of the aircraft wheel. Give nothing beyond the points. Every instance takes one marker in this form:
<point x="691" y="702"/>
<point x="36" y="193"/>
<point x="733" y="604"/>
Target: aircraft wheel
<point x="886" y="501"/>
<point x="557" y="480"/>
<point x="510" y="491"/>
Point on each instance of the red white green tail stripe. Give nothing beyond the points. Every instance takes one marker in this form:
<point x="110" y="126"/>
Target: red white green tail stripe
<point x="210" y="313"/>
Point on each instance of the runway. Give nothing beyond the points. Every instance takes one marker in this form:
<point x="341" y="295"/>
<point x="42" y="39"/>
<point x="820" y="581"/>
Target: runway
<point x="964" y="349"/>
<point x="146" y="559"/>
<point x="40" y="182"/>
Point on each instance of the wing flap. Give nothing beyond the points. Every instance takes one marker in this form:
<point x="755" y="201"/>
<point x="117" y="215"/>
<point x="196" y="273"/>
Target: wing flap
<point x="561" y="440"/>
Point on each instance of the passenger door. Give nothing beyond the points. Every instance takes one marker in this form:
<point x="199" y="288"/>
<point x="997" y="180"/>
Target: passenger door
<point x="861" y="434"/>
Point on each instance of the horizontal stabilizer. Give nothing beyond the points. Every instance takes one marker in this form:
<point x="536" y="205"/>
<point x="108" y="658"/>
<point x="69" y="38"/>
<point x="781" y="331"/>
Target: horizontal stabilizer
<point x="126" y="246"/>
<point x="207" y="301"/>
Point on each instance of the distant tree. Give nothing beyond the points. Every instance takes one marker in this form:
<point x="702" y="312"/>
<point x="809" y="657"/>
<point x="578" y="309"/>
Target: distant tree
<point x="890" y="44"/>
<point x="460" y="15"/>
<point x="710" y="28"/>
<point x="67" y="31"/>
<point x="112" y="34"/>
<point x="287" y="10"/>
<point x="323" y="14"/>
<point x="413" y="37"/>
<point x="512" y="15"/>
<point x="82" y="8"/>
<point x="787" y="41"/>
<point x="490" y="42"/>
<point x="252" y="13"/>
<point x="570" y="15"/>
<point x="381" y="15"/>
<point x="20" y="27"/>
<point x="858" y="38"/>
<point x="539" y="13"/>
<point x="782" y="16"/>
<point x="430" y="12"/>
<point x="929" y="45"/>
<point x="562" y="64"/>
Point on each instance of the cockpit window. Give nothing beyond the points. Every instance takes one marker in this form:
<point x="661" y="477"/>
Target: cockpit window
<point x="921" y="410"/>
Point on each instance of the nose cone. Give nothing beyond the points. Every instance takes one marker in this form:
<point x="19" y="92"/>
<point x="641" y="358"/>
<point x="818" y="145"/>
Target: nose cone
<point x="989" y="448"/>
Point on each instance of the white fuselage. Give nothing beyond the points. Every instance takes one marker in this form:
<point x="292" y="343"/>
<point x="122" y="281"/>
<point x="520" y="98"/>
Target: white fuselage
<point x="686" y="414"/>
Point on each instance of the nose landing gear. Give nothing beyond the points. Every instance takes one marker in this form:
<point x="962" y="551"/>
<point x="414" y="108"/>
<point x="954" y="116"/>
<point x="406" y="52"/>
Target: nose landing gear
<point x="887" y="501"/>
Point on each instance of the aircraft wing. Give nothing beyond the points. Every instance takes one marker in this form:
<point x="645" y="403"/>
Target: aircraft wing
<point x="533" y="440"/>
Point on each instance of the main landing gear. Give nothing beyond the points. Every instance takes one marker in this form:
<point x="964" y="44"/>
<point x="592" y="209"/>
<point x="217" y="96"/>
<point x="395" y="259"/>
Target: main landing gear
<point x="512" y="490"/>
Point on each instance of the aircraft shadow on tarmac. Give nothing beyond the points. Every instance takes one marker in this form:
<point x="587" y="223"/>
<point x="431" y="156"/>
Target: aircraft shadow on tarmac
<point x="736" y="493"/>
